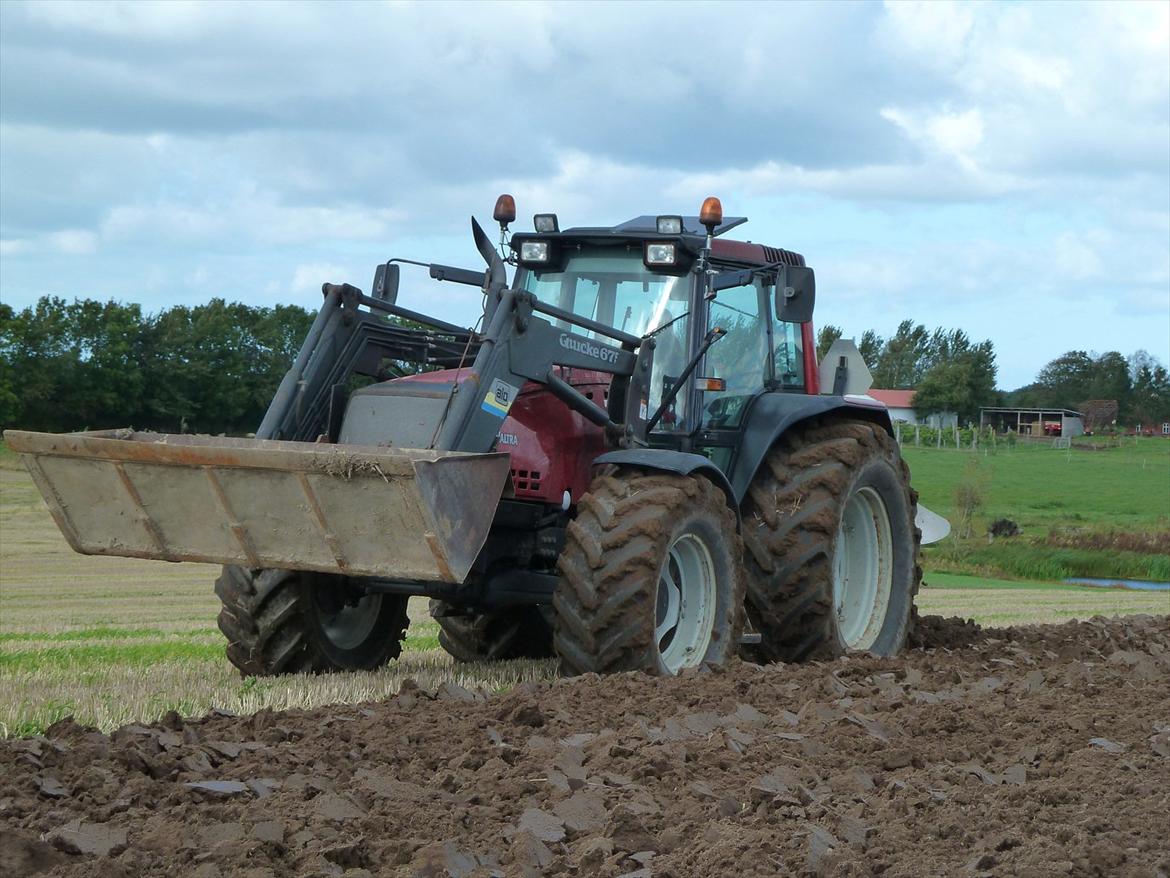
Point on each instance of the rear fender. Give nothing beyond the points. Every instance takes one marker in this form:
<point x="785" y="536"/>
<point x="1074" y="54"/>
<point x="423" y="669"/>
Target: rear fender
<point x="680" y="462"/>
<point x="774" y="414"/>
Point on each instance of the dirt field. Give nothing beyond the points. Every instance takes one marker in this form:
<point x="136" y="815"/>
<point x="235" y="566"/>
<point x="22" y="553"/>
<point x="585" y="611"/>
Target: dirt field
<point x="1038" y="750"/>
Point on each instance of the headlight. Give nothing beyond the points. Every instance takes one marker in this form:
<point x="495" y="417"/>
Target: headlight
<point x="546" y="223"/>
<point x="669" y="225"/>
<point x="534" y="251"/>
<point x="660" y="254"/>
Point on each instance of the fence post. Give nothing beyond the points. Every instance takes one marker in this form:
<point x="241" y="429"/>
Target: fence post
<point x="917" y="434"/>
<point x="956" y="436"/>
<point x="898" y="432"/>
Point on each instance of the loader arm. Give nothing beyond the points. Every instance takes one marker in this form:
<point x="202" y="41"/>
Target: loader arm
<point x="346" y="340"/>
<point x="283" y="500"/>
<point x="522" y="346"/>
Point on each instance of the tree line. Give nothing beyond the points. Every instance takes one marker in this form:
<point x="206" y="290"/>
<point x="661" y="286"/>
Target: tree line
<point x="94" y="365"/>
<point x="948" y="371"/>
<point x="952" y="373"/>
<point x="1106" y="388"/>
<point x="213" y="369"/>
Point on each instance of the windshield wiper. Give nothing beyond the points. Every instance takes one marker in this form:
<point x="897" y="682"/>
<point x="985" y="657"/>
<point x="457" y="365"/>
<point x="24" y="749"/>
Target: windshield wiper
<point x="666" y="325"/>
<point x="713" y="336"/>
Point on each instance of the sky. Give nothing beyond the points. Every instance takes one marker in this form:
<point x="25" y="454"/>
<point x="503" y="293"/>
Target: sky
<point x="1003" y="168"/>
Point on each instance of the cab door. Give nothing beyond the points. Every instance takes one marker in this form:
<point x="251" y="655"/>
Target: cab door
<point x="742" y="360"/>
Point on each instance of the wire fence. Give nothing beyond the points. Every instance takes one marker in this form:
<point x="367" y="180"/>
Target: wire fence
<point x="986" y="438"/>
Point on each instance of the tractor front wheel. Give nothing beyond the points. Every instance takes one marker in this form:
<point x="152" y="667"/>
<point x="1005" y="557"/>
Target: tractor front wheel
<point x="287" y="622"/>
<point x="649" y="577"/>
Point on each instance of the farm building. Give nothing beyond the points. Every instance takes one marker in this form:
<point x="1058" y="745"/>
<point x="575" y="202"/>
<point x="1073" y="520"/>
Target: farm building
<point x="1033" y="422"/>
<point x="899" y="402"/>
<point x="901" y="406"/>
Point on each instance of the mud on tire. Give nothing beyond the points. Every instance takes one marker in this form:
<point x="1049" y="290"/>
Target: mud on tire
<point x="515" y="632"/>
<point x="287" y="622"/>
<point x="606" y="606"/>
<point x="792" y="519"/>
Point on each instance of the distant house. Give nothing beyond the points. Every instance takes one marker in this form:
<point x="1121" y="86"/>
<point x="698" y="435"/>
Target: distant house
<point x="899" y="402"/>
<point x="901" y="406"/>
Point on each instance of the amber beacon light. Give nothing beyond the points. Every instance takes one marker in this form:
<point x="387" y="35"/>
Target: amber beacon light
<point x="711" y="213"/>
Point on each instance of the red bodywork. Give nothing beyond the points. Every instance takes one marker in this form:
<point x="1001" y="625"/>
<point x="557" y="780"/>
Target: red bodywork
<point x="552" y="447"/>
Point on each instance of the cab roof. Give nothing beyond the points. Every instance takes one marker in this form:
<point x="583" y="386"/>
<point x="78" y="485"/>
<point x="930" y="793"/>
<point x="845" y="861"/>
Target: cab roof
<point x="649" y="224"/>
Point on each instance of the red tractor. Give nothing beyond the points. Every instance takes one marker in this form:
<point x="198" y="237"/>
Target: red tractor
<point x="634" y="462"/>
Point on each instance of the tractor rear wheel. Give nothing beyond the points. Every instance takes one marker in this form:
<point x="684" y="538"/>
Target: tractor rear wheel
<point x="650" y="576"/>
<point x="830" y="544"/>
<point x="515" y="632"/>
<point x="288" y="621"/>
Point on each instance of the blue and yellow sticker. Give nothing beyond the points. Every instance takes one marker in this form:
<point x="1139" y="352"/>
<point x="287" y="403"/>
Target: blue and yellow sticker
<point x="499" y="398"/>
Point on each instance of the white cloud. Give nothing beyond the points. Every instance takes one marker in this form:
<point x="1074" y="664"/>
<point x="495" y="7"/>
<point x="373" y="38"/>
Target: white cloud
<point x="248" y="215"/>
<point x="934" y="34"/>
<point x="126" y="18"/>
<point x="954" y="136"/>
<point x="309" y="277"/>
<point x="74" y="242"/>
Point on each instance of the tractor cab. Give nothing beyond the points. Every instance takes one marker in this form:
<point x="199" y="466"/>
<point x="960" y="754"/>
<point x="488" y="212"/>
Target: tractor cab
<point x="708" y="306"/>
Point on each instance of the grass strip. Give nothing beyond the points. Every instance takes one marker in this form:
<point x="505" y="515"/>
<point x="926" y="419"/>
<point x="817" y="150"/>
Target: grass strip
<point x="1038" y="562"/>
<point x="108" y="632"/>
<point x="936" y="579"/>
<point x="80" y="657"/>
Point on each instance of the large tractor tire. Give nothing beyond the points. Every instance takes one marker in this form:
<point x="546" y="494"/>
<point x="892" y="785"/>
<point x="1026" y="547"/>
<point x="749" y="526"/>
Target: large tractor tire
<point x="287" y="622"/>
<point x="516" y="632"/>
<point x="830" y="545"/>
<point x="650" y="577"/>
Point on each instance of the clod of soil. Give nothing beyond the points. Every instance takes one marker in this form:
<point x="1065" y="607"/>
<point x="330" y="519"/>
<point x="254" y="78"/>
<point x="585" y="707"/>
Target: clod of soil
<point x="1024" y="751"/>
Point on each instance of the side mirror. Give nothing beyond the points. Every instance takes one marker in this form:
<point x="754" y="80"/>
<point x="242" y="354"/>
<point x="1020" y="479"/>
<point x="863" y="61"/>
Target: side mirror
<point x="386" y="283"/>
<point x="796" y="290"/>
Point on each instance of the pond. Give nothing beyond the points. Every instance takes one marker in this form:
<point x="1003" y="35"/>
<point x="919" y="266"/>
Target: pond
<point x="1139" y="584"/>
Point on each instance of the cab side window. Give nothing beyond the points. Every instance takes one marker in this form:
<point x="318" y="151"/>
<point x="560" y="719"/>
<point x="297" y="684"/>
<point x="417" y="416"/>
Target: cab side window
<point x="789" y="355"/>
<point x="741" y="358"/>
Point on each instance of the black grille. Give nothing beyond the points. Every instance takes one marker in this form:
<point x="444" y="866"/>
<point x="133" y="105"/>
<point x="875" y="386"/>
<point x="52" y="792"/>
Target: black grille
<point x="526" y="480"/>
<point x="784" y="257"/>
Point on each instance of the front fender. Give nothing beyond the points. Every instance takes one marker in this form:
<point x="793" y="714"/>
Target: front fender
<point x="680" y="462"/>
<point x="774" y="414"/>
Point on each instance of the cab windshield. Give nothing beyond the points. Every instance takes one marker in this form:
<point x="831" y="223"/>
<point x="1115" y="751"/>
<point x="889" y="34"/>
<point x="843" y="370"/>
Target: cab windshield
<point x="614" y="287"/>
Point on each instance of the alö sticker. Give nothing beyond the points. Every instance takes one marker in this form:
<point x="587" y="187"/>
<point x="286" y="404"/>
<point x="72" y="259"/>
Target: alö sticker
<point x="499" y="398"/>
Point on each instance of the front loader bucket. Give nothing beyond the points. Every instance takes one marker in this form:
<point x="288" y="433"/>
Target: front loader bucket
<point x="356" y="510"/>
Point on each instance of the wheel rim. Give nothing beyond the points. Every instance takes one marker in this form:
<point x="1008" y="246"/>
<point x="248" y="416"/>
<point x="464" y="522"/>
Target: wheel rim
<point x="351" y="625"/>
<point x="863" y="569"/>
<point x="685" y="604"/>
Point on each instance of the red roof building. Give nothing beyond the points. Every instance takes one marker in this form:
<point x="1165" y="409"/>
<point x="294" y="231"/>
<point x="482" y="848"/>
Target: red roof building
<point x="894" y="399"/>
<point x="900" y="404"/>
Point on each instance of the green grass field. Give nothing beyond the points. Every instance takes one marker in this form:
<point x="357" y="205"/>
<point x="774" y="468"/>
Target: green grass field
<point x="113" y="640"/>
<point x="1081" y="493"/>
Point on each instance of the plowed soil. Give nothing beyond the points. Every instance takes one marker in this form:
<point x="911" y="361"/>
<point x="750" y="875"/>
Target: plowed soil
<point x="1026" y="751"/>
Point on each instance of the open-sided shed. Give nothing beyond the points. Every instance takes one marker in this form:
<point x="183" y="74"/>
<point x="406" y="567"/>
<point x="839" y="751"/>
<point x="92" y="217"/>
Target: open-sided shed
<point x="1033" y="422"/>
